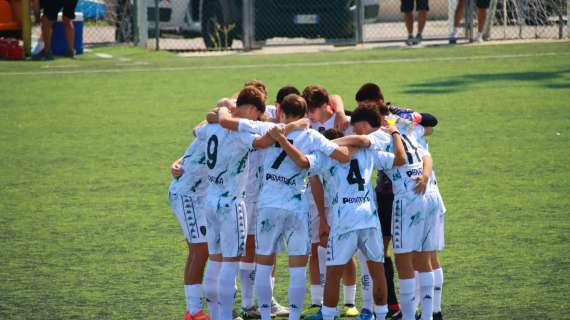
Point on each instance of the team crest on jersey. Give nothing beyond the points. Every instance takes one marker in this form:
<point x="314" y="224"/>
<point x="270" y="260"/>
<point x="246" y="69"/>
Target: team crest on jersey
<point x="297" y="197"/>
<point x="203" y="230"/>
<point x="415" y="219"/>
<point x="266" y="226"/>
<point x="396" y="176"/>
<point x="242" y="163"/>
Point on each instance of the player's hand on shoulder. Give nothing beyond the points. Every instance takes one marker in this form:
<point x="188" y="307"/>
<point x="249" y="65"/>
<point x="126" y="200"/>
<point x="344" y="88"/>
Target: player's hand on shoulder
<point x="276" y="132"/>
<point x="421" y="184"/>
<point x="390" y="129"/>
<point x="303" y="123"/>
<point x="176" y="169"/>
<point x="212" y="116"/>
<point x="225" y="102"/>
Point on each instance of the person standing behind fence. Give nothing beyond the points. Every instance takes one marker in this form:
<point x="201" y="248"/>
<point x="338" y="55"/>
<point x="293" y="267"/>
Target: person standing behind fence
<point x="51" y="9"/>
<point x="482" y="6"/>
<point x="407" y="7"/>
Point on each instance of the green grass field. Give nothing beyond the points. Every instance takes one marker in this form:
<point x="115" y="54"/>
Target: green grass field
<point x="85" y="227"/>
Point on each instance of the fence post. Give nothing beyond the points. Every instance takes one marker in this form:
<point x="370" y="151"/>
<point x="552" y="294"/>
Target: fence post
<point x="451" y="6"/>
<point x="26" y="28"/>
<point x="359" y="22"/>
<point x="490" y="19"/>
<point x="156" y="26"/>
<point x="141" y="23"/>
<point x="468" y="14"/>
<point x="247" y="24"/>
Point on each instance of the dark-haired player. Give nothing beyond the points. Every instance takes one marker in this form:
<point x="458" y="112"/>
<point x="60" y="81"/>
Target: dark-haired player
<point x="226" y="158"/>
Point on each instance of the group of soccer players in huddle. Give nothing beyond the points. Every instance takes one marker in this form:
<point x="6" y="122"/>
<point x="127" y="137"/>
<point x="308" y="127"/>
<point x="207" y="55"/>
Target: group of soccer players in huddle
<point x="297" y="175"/>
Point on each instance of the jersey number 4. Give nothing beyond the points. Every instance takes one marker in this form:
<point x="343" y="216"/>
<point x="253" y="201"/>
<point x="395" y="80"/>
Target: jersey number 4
<point x="212" y="151"/>
<point x="354" y="175"/>
<point x="280" y="157"/>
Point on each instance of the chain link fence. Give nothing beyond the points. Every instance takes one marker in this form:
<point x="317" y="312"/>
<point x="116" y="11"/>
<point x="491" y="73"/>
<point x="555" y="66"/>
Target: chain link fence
<point x="188" y="25"/>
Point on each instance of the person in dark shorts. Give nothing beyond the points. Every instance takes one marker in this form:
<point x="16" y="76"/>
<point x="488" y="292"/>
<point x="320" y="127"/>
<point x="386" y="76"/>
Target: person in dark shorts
<point x="407" y="7"/>
<point x="51" y="8"/>
<point x="482" y="6"/>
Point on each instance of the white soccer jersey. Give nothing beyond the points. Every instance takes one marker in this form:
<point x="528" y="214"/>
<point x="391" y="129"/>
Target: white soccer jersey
<point x="195" y="177"/>
<point x="255" y="171"/>
<point x="283" y="183"/>
<point x="354" y="204"/>
<point x="226" y="158"/>
<point x="329" y="124"/>
<point x="402" y="177"/>
<point x="271" y="111"/>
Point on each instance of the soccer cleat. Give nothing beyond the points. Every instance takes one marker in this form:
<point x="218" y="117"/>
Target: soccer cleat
<point x="250" y="313"/>
<point x="394" y="315"/>
<point x="437" y="316"/>
<point x="349" y="310"/>
<point x="70" y="54"/>
<point x="452" y="39"/>
<point x="410" y="40"/>
<point x="418" y="39"/>
<point x="236" y="315"/>
<point x="278" y="310"/>
<point x="366" y="314"/>
<point x="314" y="308"/>
<point x="200" y="315"/>
<point x="42" y="56"/>
<point x="315" y="316"/>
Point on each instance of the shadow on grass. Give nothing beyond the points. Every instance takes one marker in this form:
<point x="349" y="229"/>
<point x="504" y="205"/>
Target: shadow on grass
<point x="545" y="78"/>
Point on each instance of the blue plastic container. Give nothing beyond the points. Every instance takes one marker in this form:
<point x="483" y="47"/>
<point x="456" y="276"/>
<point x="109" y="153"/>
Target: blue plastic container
<point x="58" y="41"/>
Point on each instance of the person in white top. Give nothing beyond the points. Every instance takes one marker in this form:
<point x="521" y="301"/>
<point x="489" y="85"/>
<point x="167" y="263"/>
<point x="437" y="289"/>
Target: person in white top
<point x="186" y="197"/>
<point x="226" y="158"/>
<point x="416" y="227"/>
<point x="325" y="112"/>
<point x="247" y="265"/>
<point x="283" y="217"/>
<point x="354" y="219"/>
<point x="253" y="188"/>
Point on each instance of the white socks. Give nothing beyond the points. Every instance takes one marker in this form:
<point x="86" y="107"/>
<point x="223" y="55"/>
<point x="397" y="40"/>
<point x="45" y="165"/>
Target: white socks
<point x="322" y="252"/>
<point x="438" y="286"/>
<point x="246" y="277"/>
<point x="417" y="293"/>
<point x="328" y="313"/>
<point x="426" y="291"/>
<point x="366" y="282"/>
<point x="210" y="287"/>
<point x="297" y="289"/>
<point x="407" y="303"/>
<point x="381" y="311"/>
<point x="227" y="288"/>
<point x="317" y="294"/>
<point x="350" y="294"/>
<point x="193" y="295"/>
<point x="264" y="290"/>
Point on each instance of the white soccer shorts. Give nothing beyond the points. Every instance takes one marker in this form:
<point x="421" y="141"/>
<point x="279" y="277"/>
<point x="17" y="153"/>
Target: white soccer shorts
<point x="417" y="223"/>
<point x="227" y="230"/>
<point x="251" y="209"/>
<point x="191" y="215"/>
<point x="341" y="248"/>
<point x="277" y="228"/>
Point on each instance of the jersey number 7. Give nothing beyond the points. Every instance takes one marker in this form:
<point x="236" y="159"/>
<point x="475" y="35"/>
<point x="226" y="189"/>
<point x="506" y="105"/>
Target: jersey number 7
<point x="280" y="157"/>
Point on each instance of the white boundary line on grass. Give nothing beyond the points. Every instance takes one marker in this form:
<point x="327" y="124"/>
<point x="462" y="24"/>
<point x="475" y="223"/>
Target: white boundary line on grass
<point x="282" y="65"/>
